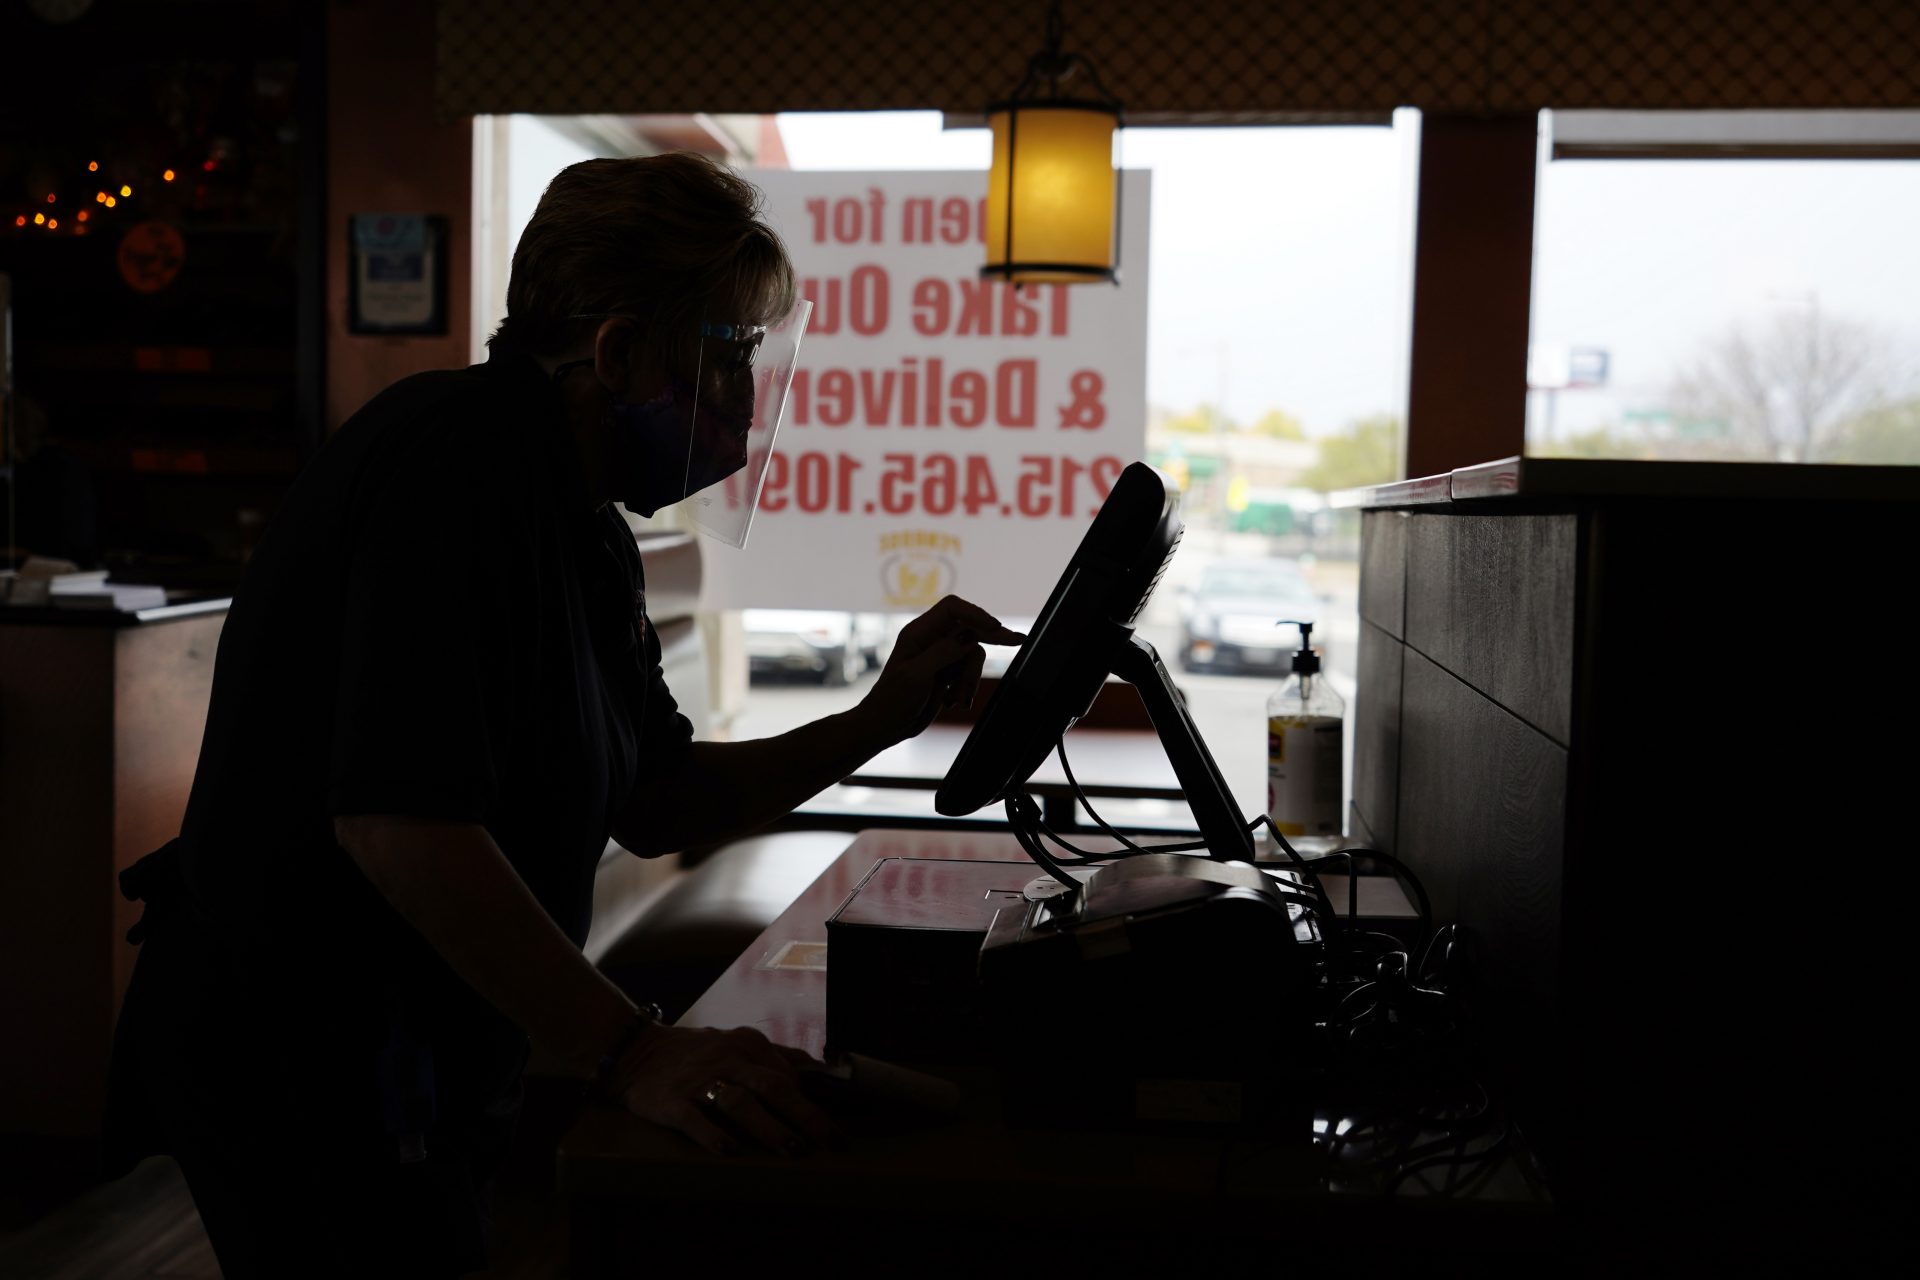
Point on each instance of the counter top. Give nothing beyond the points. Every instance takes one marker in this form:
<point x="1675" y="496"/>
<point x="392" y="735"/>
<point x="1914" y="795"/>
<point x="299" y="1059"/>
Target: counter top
<point x="1549" y="478"/>
<point x="48" y="615"/>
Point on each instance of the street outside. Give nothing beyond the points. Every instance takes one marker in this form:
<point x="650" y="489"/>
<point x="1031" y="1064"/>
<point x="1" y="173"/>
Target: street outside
<point x="1230" y="710"/>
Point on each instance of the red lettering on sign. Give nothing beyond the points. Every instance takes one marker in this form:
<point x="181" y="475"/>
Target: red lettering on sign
<point x="876" y="396"/>
<point x="916" y="394"/>
<point x="969" y="399"/>
<point x="934" y="483"/>
<point x="1013" y="393"/>
<point x="916" y="220"/>
<point x="836" y="398"/>
<point x="826" y="295"/>
<point x="935" y="367"/>
<point x="953" y="220"/>
<point x="861" y="302"/>
<point x="853" y="222"/>
<point x="976" y="309"/>
<point x="931" y="309"/>
<point x="1019" y="318"/>
<point x="868" y="302"/>
<point x="1018" y="315"/>
<point x="799" y="396"/>
<point x="959" y="220"/>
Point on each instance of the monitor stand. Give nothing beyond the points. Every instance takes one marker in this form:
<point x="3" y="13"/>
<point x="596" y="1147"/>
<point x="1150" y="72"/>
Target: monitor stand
<point x="1219" y="819"/>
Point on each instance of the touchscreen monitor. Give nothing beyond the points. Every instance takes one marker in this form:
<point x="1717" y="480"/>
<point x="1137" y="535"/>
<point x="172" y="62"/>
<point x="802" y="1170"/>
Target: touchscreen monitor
<point x="1073" y="644"/>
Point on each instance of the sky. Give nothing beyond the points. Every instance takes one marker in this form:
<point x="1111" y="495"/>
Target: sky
<point x="1280" y="258"/>
<point x="1650" y="258"/>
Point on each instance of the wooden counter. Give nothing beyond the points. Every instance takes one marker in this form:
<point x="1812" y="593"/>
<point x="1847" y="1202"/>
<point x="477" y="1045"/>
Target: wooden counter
<point x="1612" y="713"/>
<point x="101" y="715"/>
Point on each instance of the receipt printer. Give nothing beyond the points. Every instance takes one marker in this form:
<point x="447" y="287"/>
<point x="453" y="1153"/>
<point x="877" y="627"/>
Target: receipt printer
<point x="1169" y="988"/>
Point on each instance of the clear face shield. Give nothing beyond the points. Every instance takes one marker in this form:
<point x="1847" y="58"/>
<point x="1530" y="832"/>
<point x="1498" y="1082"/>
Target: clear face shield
<point x="741" y="377"/>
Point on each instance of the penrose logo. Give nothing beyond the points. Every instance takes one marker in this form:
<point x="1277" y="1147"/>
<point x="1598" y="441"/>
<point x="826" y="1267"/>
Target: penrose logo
<point x="917" y="567"/>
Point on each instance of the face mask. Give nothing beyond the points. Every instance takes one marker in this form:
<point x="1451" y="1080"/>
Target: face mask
<point x="672" y="445"/>
<point x="707" y="441"/>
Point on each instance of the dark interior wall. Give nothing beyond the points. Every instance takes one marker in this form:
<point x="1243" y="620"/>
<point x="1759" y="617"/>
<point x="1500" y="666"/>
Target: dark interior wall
<point x="387" y="153"/>
<point x="159" y="420"/>
<point x="161" y="401"/>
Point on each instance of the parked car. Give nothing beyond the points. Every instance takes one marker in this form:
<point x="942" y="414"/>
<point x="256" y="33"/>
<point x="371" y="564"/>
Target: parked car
<point x="1227" y="620"/>
<point x="833" y="646"/>
<point x="874" y="634"/>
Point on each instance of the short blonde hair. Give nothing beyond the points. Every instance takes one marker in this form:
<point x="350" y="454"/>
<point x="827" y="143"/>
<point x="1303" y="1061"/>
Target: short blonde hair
<point x="659" y="238"/>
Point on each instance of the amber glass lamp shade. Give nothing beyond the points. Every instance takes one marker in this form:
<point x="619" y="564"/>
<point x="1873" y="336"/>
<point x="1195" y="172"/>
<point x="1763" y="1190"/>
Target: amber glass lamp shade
<point x="1052" y="193"/>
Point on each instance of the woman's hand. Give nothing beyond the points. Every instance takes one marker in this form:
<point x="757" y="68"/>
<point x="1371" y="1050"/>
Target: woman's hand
<point x="720" y="1086"/>
<point x="934" y="664"/>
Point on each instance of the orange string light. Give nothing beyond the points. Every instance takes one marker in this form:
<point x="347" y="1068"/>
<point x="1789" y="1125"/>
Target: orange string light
<point x="39" y="218"/>
<point x="167" y="176"/>
<point x="126" y="191"/>
<point x="93" y="166"/>
<point x="111" y="202"/>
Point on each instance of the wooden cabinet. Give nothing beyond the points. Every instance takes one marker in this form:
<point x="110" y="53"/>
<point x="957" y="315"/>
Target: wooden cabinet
<point x="1621" y="718"/>
<point x="100" y="726"/>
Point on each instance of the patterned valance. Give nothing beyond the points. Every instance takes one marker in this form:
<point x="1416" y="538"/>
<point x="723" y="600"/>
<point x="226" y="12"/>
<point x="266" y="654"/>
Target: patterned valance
<point x="1202" y="57"/>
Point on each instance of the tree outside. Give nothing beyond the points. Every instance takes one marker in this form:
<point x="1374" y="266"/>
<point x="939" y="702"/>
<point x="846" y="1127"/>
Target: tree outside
<point x="1201" y="420"/>
<point x="1805" y="386"/>
<point x="1886" y="436"/>
<point x="1367" y="452"/>
<point x="1277" y="424"/>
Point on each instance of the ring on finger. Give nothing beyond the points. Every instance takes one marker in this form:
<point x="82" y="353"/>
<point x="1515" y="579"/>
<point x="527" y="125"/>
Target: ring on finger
<point x="711" y="1098"/>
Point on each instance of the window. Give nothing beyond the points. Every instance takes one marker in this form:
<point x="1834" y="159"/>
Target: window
<point x="1755" y="308"/>
<point x="1278" y="279"/>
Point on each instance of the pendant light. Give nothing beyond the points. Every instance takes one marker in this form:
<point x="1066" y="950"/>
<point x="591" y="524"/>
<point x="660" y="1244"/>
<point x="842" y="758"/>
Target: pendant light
<point x="1053" y="195"/>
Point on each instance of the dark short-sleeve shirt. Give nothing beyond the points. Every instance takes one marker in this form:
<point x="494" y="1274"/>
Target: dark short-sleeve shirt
<point x="435" y="624"/>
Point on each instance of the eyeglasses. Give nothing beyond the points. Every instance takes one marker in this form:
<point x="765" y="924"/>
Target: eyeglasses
<point x="742" y="343"/>
<point x="739" y="343"/>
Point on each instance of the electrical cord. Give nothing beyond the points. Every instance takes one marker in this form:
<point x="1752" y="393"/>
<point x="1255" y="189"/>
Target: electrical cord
<point x="1333" y="922"/>
<point x="1456" y="1159"/>
<point x="1401" y="871"/>
<point x="1060" y="750"/>
<point x="1095" y="856"/>
<point x="1386" y="1013"/>
<point x="1097" y="860"/>
<point x="1021" y="813"/>
<point x="1334" y="925"/>
<point x="1030" y="828"/>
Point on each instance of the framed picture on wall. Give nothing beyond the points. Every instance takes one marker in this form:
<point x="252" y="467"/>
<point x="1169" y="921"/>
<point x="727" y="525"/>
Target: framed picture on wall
<point x="397" y="273"/>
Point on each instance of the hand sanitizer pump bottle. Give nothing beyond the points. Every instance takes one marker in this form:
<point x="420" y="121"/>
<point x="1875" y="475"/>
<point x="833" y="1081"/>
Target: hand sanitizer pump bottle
<point x="1306" y="721"/>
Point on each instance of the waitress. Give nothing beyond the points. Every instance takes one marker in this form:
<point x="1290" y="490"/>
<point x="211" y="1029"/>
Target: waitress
<point x="436" y="697"/>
